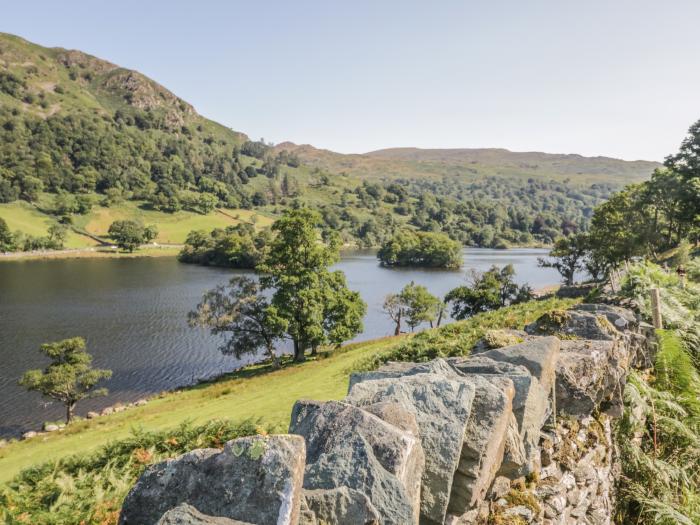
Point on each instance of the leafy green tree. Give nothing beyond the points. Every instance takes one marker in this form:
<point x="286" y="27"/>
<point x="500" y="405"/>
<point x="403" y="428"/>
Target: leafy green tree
<point x="243" y="316"/>
<point x="569" y="257"/>
<point x="489" y="290"/>
<point x="129" y="234"/>
<point x="238" y="246"/>
<point x="7" y="239"/>
<point x="410" y="248"/>
<point x="57" y="235"/>
<point x="295" y="269"/>
<point x="421" y="305"/>
<point x="70" y="376"/>
<point x="413" y="305"/>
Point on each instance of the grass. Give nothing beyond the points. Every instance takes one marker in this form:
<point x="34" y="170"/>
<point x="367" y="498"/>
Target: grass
<point x="258" y="392"/>
<point x="173" y="228"/>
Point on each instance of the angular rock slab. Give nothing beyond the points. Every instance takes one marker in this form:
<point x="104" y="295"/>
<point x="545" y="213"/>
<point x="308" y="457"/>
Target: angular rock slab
<point x="254" y="479"/>
<point x="539" y="356"/>
<point x="185" y="514"/>
<point x="341" y="506"/>
<point x="621" y="318"/>
<point x="573" y="323"/>
<point x="484" y="441"/>
<point x="591" y="374"/>
<point x="391" y="369"/>
<point x="350" y="447"/>
<point x="442" y="407"/>
<point x="531" y="407"/>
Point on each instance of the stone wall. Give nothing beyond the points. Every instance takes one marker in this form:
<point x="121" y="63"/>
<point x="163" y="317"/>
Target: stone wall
<point x="510" y="435"/>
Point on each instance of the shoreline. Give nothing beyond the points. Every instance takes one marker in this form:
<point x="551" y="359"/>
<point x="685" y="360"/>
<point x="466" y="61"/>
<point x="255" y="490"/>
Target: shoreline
<point x="169" y="250"/>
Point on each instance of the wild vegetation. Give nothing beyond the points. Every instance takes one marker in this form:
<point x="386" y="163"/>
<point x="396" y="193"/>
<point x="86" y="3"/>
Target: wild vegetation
<point x="659" y="435"/>
<point x="90" y="486"/>
<point x="74" y="125"/>
<point x="296" y="297"/>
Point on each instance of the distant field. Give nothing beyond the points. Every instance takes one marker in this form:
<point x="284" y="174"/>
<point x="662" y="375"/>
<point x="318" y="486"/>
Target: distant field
<point x="172" y="227"/>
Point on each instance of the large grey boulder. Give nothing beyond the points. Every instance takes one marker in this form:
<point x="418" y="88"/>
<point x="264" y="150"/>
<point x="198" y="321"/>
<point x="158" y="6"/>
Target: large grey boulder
<point x="591" y="375"/>
<point x="484" y="441"/>
<point x="341" y="506"/>
<point x="402" y="368"/>
<point x="621" y="318"/>
<point x="185" y="514"/>
<point x="350" y="447"/>
<point x="538" y="355"/>
<point x="442" y="407"/>
<point x="531" y="407"/>
<point x="254" y="479"/>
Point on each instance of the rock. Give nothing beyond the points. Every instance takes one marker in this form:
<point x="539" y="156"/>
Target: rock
<point x="29" y="435"/>
<point x="499" y="339"/>
<point x="3" y="443"/>
<point x="395" y="369"/>
<point x="442" y="407"/>
<point x="539" y="356"/>
<point x="621" y="318"/>
<point x="185" y="514"/>
<point x="484" y="441"/>
<point x="499" y="488"/>
<point x="531" y="408"/>
<point x="569" y="324"/>
<point x="590" y="375"/>
<point x="107" y="411"/>
<point x="119" y="408"/>
<point x="520" y="511"/>
<point x="350" y="447"/>
<point x="254" y="479"/>
<point x="92" y="415"/>
<point x="50" y="427"/>
<point x="341" y="506"/>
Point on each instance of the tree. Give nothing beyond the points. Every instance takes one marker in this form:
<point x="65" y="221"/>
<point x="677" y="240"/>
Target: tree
<point x="421" y="305"/>
<point x="295" y="269"/>
<point x="414" y="305"/>
<point x="70" y="376"/>
<point x="57" y="235"/>
<point x="569" y="254"/>
<point x="410" y="248"/>
<point x="129" y="234"/>
<point x="243" y="315"/>
<point x="489" y="290"/>
<point x="7" y="239"/>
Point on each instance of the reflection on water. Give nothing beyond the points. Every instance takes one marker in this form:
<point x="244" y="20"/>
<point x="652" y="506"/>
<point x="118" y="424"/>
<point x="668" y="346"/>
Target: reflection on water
<point x="132" y="312"/>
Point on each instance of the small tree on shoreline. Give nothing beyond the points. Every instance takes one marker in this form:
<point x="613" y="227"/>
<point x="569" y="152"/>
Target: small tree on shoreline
<point x="69" y="378"/>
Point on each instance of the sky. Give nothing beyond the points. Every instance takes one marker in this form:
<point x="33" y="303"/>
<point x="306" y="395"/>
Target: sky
<point x="619" y="78"/>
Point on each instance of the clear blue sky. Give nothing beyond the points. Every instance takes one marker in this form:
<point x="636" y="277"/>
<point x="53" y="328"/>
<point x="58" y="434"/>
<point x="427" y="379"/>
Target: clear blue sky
<point x="618" y="78"/>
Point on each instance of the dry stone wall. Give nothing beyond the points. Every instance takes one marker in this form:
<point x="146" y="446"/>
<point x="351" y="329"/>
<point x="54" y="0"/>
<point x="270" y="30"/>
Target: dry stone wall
<point x="512" y="435"/>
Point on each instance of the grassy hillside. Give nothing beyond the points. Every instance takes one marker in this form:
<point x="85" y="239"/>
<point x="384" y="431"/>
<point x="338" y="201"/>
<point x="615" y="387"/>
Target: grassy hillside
<point x="258" y="392"/>
<point x="172" y="227"/>
<point x="473" y="164"/>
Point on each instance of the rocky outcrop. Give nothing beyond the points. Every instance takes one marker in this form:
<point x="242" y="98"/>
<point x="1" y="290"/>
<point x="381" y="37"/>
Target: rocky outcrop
<point x="252" y="480"/>
<point x="513" y="434"/>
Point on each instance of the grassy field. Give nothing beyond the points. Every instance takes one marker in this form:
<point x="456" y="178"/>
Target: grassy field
<point x="82" y="475"/>
<point x="252" y="393"/>
<point x="172" y="227"/>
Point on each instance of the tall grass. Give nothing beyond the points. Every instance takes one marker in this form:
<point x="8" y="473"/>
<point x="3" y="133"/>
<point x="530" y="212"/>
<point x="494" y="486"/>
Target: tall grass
<point x="457" y="339"/>
<point x="659" y="434"/>
<point x="89" y="489"/>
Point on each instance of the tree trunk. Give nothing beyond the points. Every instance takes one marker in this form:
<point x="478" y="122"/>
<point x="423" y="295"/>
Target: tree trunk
<point x="397" y="330"/>
<point x="273" y="356"/>
<point x="439" y="319"/>
<point x="298" y="352"/>
<point x="314" y="350"/>
<point x="69" y="412"/>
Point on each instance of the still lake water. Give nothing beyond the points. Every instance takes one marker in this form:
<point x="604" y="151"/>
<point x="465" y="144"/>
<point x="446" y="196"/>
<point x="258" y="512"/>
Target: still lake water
<point x="132" y="312"/>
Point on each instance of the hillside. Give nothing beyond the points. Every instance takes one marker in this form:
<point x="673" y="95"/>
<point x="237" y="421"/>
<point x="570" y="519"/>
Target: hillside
<point x="74" y="124"/>
<point x="474" y="164"/>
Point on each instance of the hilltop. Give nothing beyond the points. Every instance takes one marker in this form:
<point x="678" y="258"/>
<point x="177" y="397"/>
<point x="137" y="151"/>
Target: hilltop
<point x="475" y="163"/>
<point x="77" y="125"/>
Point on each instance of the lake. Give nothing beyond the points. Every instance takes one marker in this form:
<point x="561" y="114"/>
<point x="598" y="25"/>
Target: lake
<point x="132" y="312"/>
